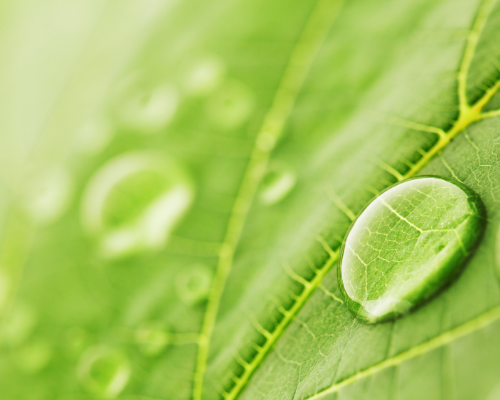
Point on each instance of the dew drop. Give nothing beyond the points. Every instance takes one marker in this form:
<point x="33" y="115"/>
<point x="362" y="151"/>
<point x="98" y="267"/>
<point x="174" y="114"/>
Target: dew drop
<point x="202" y="74"/>
<point x="104" y="371"/>
<point x="152" y="337"/>
<point x="193" y="284"/>
<point x="277" y="183"/>
<point x="144" y="107"/>
<point x="393" y="259"/>
<point x="134" y="202"/>
<point x="230" y="105"/>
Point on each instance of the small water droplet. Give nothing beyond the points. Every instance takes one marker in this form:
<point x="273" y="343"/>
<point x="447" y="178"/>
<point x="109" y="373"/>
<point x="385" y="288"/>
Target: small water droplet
<point x="104" y="371"/>
<point x="46" y="193"/>
<point x="134" y="202"/>
<point x="144" y="107"/>
<point x="193" y="284"/>
<point x="392" y="260"/>
<point x="152" y="337"/>
<point x="230" y="105"/>
<point x="202" y="74"/>
<point x="277" y="183"/>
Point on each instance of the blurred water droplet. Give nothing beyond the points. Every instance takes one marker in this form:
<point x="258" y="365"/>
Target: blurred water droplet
<point x="276" y="184"/>
<point x="46" y="193"/>
<point x="104" y="371"/>
<point x="134" y="202"/>
<point x="94" y="136"/>
<point x="34" y="356"/>
<point x="393" y="258"/>
<point x="202" y="74"/>
<point x="143" y="107"/>
<point x="193" y="283"/>
<point x="230" y="105"/>
<point x="17" y="325"/>
<point x="152" y="337"/>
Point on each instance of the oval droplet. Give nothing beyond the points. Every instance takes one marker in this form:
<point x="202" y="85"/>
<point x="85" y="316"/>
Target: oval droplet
<point x="104" y="371"/>
<point x="134" y="202"/>
<point x="276" y="184"/>
<point x="230" y="105"/>
<point x="193" y="284"/>
<point x="152" y="337"/>
<point x="406" y="245"/>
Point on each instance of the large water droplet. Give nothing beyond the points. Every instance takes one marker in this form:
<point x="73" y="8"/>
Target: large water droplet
<point x="276" y="184"/>
<point x="104" y="371"/>
<point x="193" y="284"/>
<point x="134" y="202"/>
<point x="406" y="245"/>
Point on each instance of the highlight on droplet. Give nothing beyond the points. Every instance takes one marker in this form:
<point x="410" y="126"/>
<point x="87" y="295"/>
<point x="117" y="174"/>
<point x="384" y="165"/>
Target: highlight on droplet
<point x="201" y="74"/>
<point x="277" y="183"/>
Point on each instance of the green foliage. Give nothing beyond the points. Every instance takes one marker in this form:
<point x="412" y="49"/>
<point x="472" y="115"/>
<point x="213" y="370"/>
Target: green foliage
<point x="248" y="135"/>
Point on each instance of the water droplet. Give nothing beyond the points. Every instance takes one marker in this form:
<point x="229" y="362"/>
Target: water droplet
<point x="152" y="337"/>
<point x="134" y="201"/>
<point x="393" y="259"/>
<point x="104" y="371"/>
<point x="46" y="193"/>
<point x="144" y="107"/>
<point x="193" y="284"/>
<point x="230" y="105"/>
<point x="278" y="181"/>
<point x="93" y="136"/>
<point x="17" y="325"/>
<point x="202" y="74"/>
<point x="34" y="356"/>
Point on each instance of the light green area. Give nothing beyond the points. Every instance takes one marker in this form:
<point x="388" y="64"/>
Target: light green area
<point x="350" y="97"/>
<point x="406" y="245"/>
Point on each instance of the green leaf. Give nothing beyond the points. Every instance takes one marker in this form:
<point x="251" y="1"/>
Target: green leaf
<point x="264" y="128"/>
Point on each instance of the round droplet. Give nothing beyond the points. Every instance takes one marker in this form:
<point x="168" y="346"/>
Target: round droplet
<point x="104" y="371"/>
<point x="134" y="201"/>
<point x="34" y="356"/>
<point x="152" y="337"/>
<point x="201" y="75"/>
<point x="276" y="184"/>
<point x="193" y="284"/>
<point x="230" y="105"/>
<point x="406" y="245"/>
<point x="144" y="107"/>
<point x="46" y="193"/>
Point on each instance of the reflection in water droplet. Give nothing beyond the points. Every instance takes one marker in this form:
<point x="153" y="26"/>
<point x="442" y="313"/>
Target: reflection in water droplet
<point x="17" y="325"/>
<point x="145" y="108"/>
<point x="46" y="193"/>
<point x="104" y="371"/>
<point x="406" y="244"/>
<point x="193" y="284"/>
<point x="94" y="136"/>
<point x="276" y="184"/>
<point x="230" y="105"/>
<point x="34" y="356"/>
<point x="202" y="75"/>
<point x="152" y="337"/>
<point x="134" y="201"/>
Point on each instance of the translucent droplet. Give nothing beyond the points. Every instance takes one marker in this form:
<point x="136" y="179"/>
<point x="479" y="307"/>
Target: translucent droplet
<point x="152" y="337"/>
<point x="406" y="245"/>
<point x="230" y="105"/>
<point x="46" y="193"/>
<point x="201" y="75"/>
<point x="34" y="356"/>
<point x="193" y="284"/>
<point x="143" y="107"/>
<point x="276" y="184"/>
<point x="17" y="325"/>
<point x="134" y="202"/>
<point x="104" y="371"/>
<point x="93" y="136"/>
